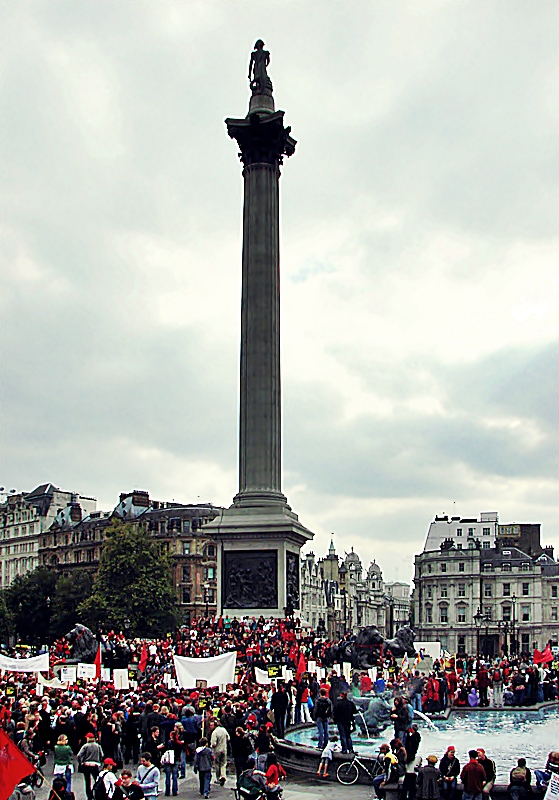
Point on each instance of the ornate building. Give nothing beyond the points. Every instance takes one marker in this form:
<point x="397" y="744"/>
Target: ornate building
<point x="486" y="588"/>
<point x="24" y="516"/>
<point x="74" y="541"/>
<point x="338" y="596"/>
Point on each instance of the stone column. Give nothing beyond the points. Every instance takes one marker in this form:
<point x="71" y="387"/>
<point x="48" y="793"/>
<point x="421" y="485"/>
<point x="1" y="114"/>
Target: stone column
<point x="263" y="141"/>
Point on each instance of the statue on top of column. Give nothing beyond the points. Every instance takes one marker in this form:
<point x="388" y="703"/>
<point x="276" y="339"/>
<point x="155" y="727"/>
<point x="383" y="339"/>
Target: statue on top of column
<point x="260" y="82"/>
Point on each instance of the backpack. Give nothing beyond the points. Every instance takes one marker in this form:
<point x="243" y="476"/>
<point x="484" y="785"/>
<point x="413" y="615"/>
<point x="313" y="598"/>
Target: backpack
<point x="518" y="774"/>
<point x="248" y="788"/>
<point x="99" y="788"/>
<point x="497" y="675"/>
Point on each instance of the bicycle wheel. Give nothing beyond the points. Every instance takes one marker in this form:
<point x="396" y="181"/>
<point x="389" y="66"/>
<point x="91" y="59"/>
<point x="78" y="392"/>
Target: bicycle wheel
<point x="347" y="773"/>
<point x="38" y="779"/>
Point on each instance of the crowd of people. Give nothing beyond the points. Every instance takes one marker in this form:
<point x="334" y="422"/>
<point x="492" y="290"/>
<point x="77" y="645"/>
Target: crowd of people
<point x="162" y="730"/>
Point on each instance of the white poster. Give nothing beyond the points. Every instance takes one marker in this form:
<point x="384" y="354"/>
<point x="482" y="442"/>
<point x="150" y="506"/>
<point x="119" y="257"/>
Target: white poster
<point x="552" y="791"/>
<point x="373" y="674"/>
<point x="217" y="670"/>
<point x="287" y="674"/>
<point x="68" y="674"/>
<point x="432" y="649"/>
<point x="35" y="664"/>
<point x="346" y="667"/>
<point x="261" y="676"/>
<point x="120" y="679"/>
<point x="106" y="674"/>
<point x="311" y="667"/>
<point x="320" y="673"/>
<point x="87" y="671"/>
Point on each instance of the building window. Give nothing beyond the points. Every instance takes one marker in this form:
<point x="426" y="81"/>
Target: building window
<point x="525" y="589"/>
<point x="428" y="567"/>
<point x="461" y="590"/>
<point x="461" y="645"/>
<point x="506" y="589"/>
<point x="487" y="531"/>
<point x="186" y="548"/>
<point x="554" y="591"/>
<point x="486" y="545"/>
<point x="443" y="567"/>
<point x="429" y="613"/>
<point x="471" y="531"/>
<point x="554" y="614"/>
<point x="488" y="611"/>
<point x="429" y="591"/>
<point x="444" y="614"/>
<point x="210" y="551"/>
<point x="525" y="642"/>
<point x="487" y="590"/>
<point x="211" y="596"/>
<point x="186" y="596"/>
<point x="459" y="546"/>
<point x="524" y="567"/>
<point x="209" y="573"/>
<point x="185" y="573"/>
<point x="461" y="615"/>
<point x="506" y="614"/>
<point x="460" y="566"/>
<point x="459" y="531"/>
<point x="444" y="590"/>
<point x="525" y="613"/>
<point x="506" y="568"/>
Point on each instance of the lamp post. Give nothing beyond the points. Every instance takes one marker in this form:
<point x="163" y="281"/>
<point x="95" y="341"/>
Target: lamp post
<point x="505" y="638"/>
<point x="487" y="620"/>
<point x="513" y="647"/>
<point x="207" y="597"/>
<point x="478" y="619"/>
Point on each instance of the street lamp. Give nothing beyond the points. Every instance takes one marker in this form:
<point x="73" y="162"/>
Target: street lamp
<point x="207" y="597"/>
<point x="513" y="647"/>
<point x="478" y="619"/>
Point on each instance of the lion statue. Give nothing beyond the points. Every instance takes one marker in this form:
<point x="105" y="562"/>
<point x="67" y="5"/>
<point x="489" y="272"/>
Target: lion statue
<point x="84" y="644"/>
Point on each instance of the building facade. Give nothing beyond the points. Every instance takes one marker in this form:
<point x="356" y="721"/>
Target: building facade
<point x="24" y="517"/>
<point x="74" y="542"/>
<point x="339" y="596"/>
<point x="494" y="599"/>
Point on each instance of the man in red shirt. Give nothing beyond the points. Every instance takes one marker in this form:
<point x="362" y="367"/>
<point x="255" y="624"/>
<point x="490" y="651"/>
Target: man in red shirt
<point x="473" y="778"/>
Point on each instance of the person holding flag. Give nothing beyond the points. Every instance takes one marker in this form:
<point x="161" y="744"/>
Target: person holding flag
<point x="14" y="766"/>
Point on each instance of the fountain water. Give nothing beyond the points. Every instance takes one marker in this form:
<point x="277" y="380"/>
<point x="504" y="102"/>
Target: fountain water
<point x="423" y="716"/>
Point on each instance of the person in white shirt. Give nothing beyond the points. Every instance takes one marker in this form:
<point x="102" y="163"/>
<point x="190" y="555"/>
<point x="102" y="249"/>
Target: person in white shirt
<point x="108" y="777"/>
<point x="326" y="757"/>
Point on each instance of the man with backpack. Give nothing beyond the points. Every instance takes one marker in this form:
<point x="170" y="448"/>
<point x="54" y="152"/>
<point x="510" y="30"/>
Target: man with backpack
<point x="497" y="680"/>
<point x="104" y="786"/>
<point x="322" y="713"/>
<point x="148" y="776"/>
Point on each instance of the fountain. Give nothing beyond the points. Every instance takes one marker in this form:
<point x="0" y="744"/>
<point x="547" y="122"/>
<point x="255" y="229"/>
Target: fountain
<point x="424" y="717"/>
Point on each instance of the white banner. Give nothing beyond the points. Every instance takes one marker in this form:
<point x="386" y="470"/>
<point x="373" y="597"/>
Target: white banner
<point x="346" y="669"/>
<point x="35" y="664"/>
<point x="87" y="671"/>
<point x="261" y="676"/>
<point x="106" y="674"/>
<point x="217" y="671"/>
<point x="287" y="674"/>
<point x="311" y="667"/>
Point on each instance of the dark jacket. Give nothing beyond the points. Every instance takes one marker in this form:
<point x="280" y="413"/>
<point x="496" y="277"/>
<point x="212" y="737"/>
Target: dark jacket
<point x="322" y="708"/>
<point x="473" y="777"/>
<point x="428" y="783"/>
<point x="449" y="768"/>
<point x="344" y="711"/>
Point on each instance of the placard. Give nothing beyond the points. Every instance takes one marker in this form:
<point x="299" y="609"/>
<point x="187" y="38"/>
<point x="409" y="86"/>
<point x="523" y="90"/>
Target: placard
<point x="311" y="667"/>
<point x="346" y="668"/>
<point x="68" y="674"/>
<point x="120" y="679"/>
<point x="552" y="791"/>
<point x="106" y="674"/>
<point x="87" y="671"/>
<point x="274" y="671"/>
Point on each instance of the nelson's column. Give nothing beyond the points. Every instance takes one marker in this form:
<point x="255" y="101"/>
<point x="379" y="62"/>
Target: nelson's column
<point x="260" y="537"/>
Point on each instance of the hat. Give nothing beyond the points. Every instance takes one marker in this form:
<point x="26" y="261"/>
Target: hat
<point x="108" y="762"/>
<point x="432" y="759"/>
<point x="269" y="724"/>
<point x="451" y="747"/>
<point x="90" y="735"/>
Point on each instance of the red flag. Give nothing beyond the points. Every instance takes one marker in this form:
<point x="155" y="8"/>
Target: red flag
<point x="97" y="663"/>
<point x="301" y="667"/>
<point x="143" y="658"/>
<point x="543" y="657"/>
<point x="14" y="766"/>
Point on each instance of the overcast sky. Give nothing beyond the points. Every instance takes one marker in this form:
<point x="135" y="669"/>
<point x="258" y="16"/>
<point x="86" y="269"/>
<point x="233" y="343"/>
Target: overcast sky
<point x="420" y="256"/>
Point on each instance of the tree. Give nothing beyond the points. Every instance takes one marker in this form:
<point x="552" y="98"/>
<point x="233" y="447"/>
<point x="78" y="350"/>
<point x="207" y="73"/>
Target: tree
<point x="5" y="619"/>
<point x="133" y="589"/>
<point x="70" y="591"/>
<point x="28" y="600"/>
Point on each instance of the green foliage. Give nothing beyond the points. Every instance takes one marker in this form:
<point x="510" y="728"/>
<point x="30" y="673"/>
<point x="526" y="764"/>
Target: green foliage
<point x="133" y="589"/>
<point x="28" y="602"/>
<point x="5" y="619"/>
<point x="69" y="593"/>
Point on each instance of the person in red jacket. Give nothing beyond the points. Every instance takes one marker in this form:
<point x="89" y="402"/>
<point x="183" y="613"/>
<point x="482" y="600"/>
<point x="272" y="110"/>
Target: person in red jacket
<point x="473" y="778"/>
<point x="483" y="682"/>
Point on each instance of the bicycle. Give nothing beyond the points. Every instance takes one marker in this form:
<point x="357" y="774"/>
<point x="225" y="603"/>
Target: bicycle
<point x="348" y="772"/>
